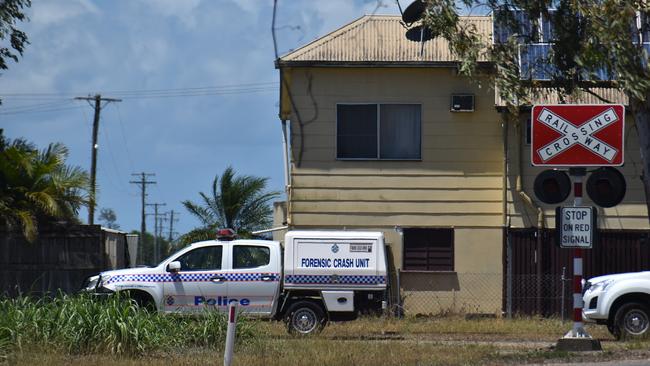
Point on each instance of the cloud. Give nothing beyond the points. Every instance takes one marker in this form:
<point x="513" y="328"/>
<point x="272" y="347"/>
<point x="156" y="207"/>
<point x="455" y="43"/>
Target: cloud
<point x="85" y="47"/>
<point x="48" y="13"/>
<point x="185" y="10"/>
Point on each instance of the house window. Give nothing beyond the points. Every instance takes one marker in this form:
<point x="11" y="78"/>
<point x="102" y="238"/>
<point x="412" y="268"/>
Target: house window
<point x="428" y="249"/>
<point x="378" y="131"/>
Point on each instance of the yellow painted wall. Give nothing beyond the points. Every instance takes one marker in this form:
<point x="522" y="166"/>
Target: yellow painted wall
<point x="458" y="183"/>
<point x="474" y="287"/>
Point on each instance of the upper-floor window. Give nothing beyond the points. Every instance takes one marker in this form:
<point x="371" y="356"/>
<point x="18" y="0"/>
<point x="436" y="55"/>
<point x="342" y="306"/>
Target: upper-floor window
<point x="378" y="131"/>
<point x="536" y="38"/>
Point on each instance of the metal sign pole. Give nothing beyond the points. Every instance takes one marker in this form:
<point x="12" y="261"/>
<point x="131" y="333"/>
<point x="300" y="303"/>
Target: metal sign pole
<point x="578" y="330"/>
<point x="230" y="334"/>
<point x="577" y="339"/>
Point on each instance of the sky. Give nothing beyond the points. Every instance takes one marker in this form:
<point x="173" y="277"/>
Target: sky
<point x="197" y="81"/>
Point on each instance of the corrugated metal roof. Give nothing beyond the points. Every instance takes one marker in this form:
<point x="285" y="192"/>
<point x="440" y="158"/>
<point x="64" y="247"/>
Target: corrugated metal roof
<point x="378" y="38"/>
<point x="381" y="40"/>
<point x="550" y="96"/>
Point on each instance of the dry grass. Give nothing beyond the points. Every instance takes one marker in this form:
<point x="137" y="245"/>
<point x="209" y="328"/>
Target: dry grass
<point x="448" y="327"/>
<point x="372" y="341"/>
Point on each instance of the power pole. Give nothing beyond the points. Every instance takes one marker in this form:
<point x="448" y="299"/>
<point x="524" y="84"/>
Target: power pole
<point x="143" y="193"/>
<point x="171" y="225"/>
<point x="93" y="163"/>
<point x="156" y="230"/>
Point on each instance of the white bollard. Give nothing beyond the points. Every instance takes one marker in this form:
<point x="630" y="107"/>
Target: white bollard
<point x="230" y="334"/>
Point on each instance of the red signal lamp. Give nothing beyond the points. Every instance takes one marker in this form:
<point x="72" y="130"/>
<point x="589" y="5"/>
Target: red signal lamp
<point x="226" y="234"/>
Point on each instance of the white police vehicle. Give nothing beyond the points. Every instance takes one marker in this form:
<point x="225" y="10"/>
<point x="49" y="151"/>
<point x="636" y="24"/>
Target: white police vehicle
<point x="620" y="301"/>
<point x="327" y="275"/>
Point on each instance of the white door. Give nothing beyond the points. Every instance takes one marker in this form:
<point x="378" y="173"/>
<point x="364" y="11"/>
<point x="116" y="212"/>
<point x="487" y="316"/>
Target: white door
<point x="254" y="278"/>
<point x="200" y="284"/>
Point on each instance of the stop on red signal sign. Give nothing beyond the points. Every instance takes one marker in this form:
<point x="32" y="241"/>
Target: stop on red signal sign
<point x="577" y="135"/>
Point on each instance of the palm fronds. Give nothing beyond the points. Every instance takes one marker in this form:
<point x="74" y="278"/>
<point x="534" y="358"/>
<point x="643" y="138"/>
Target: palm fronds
<point x="236" y="202"/>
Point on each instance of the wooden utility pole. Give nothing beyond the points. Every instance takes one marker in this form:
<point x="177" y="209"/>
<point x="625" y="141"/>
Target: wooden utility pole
<point x="171" y="225"/>
<point x="157" y="230"/>
<point x="143" y="194"/>
<point x="93" y="163"/>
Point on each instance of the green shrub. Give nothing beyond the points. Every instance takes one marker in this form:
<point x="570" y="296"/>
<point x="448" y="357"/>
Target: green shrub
<point x="82" y="324"/>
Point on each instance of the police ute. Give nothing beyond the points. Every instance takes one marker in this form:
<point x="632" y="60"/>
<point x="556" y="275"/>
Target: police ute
<point x="318" y="276"/>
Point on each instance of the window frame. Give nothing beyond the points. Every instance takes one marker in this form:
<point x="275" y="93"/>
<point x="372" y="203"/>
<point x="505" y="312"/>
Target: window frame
<point x="181" y="255"/>
<point x="378" y="129"/>
<point x="452" y="252"/>
<point x="232" y="257"/>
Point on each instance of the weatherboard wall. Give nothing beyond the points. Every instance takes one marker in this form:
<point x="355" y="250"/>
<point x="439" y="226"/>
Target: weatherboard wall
<point x="457" y="183"/>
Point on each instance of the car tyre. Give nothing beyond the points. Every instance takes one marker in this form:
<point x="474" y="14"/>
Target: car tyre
<point x="141" y="300"/>
<point x="305" y="318"/>
<point x="632" y="321"/>
<point x="614" y="330"/>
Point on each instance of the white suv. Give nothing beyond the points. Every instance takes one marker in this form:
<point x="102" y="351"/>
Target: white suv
<point x="620" y="301"/>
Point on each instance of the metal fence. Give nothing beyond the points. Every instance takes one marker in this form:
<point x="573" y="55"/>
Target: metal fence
<point x="536" y="277"/>
<point x="484" y="293"/>
<point x="59" y="260"/>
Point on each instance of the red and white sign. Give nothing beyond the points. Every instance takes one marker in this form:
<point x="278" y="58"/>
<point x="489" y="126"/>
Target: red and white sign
<point x="577" y="135"/>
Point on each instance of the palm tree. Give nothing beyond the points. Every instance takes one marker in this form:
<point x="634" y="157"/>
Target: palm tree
<point x="236" y="202"/>
<point x="38" y="187"/>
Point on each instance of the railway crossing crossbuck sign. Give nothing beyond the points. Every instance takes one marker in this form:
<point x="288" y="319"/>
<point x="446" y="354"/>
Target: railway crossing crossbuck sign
<point x="577" y="135"/>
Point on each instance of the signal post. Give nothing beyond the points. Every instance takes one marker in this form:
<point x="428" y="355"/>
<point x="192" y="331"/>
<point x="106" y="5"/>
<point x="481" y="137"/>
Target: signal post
<point x="576" y="137"/>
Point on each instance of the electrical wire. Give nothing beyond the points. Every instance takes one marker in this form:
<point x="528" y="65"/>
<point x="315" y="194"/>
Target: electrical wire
<point x="192" y="91"/>
<point x="40" y="110"/>
<point x="59" y="99"/>
<point x="109" y="147"/>
<point x="126" y="145"/>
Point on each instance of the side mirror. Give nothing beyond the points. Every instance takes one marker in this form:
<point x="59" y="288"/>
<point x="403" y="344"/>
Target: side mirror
<point x="174" y="266"/>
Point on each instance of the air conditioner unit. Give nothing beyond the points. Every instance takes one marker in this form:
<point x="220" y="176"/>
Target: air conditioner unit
<point x="462" y="102"/>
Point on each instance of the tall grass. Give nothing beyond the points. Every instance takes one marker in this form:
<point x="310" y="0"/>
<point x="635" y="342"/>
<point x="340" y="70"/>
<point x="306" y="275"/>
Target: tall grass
<point x="81" y="324"/>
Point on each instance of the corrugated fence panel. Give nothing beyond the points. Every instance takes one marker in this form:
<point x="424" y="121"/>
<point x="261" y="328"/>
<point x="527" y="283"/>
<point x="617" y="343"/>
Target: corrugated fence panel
<point x="546" y="288"/>
<point x="60" y="259"/>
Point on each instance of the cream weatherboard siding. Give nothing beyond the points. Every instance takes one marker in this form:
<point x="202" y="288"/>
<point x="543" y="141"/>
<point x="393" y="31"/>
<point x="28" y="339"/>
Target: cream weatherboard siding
<point x="458" y="182"/>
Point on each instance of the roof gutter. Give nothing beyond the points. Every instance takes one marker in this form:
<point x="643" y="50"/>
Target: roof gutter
<point x="386" y="64"/>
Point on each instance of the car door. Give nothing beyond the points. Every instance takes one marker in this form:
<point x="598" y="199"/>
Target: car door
<point x="254" y="278"/>
<point x="199" y="284"/>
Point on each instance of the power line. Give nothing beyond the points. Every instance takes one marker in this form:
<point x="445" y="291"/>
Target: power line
<point x="40" y="110"/>
<point x="126" y="145"/>
<point x="58" y="101"/>
<point x="205" y="90"/>
<point x="110" y="144"/>
<point x="28" y="107"/>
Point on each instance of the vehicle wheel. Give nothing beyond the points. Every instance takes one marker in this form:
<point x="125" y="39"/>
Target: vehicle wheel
<point x="632" y="320"/>
<point x="142" y="300"/>
<point x="614" y="330"/>
<point x="305" y="317"/>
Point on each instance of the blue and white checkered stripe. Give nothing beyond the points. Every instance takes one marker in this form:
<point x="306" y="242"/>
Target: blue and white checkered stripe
<point x="191" y="277"/>
<point x="338" y="280"/>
